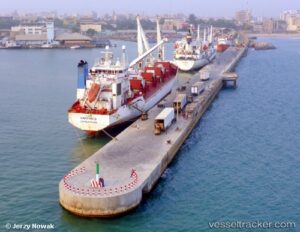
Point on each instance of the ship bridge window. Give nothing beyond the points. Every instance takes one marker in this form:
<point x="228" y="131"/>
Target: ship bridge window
<point x="104" y="99"/>
<point x="109" y="72"/>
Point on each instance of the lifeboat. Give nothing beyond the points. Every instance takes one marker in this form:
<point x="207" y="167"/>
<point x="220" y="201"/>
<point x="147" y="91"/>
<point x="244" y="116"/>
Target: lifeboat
<point x="93" y="92"/>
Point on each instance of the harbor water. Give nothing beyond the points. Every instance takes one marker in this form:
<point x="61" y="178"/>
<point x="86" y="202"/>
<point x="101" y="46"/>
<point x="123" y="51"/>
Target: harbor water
<point x="241" y="162"/>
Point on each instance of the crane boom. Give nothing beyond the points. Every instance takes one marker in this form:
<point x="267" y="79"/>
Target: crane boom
<point x="134" y="62"/>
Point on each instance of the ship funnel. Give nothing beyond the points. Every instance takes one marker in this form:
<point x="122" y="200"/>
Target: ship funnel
<point x="81" y="79"/>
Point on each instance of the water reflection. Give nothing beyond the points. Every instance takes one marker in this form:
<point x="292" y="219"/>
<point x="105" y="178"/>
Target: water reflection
<point x="87" y="145"/>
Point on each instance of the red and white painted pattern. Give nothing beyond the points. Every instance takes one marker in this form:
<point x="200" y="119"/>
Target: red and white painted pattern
<point x="95" y="184"/>
<point x="95" y="188"/>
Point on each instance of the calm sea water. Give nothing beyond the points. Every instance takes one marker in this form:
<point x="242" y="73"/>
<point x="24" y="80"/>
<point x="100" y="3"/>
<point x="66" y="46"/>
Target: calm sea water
<point x="242" y="162"/>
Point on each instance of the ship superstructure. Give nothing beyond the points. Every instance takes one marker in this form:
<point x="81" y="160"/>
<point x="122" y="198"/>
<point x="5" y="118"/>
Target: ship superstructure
<point x="194" y="54"/>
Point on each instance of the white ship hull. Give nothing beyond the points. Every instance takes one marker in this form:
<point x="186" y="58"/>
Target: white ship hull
<point x="98" y="122"/>
<point x="191" y="64"/>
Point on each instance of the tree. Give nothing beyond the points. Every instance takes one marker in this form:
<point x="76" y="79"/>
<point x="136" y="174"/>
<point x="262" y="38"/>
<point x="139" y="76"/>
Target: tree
<point x="91" y="32"/>
<point x="59" y="23"/>
<point x="161" y="21"/>
<point x="75" y="28"/>
<point x="148" y="25"/>
<point x="192" y="19"/>
<point x="7" y="23"/>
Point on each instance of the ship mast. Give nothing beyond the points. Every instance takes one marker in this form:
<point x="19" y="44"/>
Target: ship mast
<point x="161" y="49"/>
<point x="143" y="44"/>
<point x="198" y="33"/>
<point x="139" y="37"/>
<point x="142" y="36"/>
<point x="124" y="61"/>
<point x="210" y="40"/>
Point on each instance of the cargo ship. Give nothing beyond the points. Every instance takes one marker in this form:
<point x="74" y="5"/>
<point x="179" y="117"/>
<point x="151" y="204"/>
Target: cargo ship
<point x="113" y="92"/>
<point x="192" y="55"/>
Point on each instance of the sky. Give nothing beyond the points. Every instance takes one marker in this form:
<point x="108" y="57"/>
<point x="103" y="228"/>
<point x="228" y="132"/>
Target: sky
<point x="205" y="8"/>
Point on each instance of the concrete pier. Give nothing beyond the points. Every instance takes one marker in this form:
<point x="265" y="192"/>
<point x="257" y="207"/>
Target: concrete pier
<point x="230" y="77"/>
<point x="132" y="164"/>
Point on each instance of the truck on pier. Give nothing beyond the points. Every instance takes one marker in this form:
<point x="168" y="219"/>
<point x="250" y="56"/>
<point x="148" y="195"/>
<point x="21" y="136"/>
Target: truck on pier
<point x="197" y="88"/>
<point x="164" y="120"/>
<point x="180" y="102"/>
<point x="204" y="74"/>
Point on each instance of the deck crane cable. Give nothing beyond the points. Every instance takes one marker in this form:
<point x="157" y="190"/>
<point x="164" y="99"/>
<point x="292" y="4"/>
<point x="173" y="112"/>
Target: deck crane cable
<point x="135" y="107"/>
<point x="109" y="135"/>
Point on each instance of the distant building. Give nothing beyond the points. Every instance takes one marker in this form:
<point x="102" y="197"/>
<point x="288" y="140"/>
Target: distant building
<point x="29" y="30"/>
<point x="31" y="40"/>
<point x="288" y="13"/>
<point x="258" y="28"/>
<point x="292" y="19"/>
<point x="69" y="20"/>
<point x="293" y="22"/>
<point x="84" y="27"/>
<point x="172" y="24"/>
<point x="243" y="16"/>
<point x="269" y="25"/>
<point x="41" y="33"/>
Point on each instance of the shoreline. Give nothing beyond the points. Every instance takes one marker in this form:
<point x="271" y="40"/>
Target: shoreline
<point x="275" y="35"/>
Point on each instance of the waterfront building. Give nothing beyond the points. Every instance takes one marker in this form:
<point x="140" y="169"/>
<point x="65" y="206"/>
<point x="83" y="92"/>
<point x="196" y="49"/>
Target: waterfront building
<point x="31" y="40"/>
<point x="74" y="39"/>
<point x="34" y="35"/>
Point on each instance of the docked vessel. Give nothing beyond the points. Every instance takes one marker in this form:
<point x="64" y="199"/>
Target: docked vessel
<point x="192" y="55"/>
<point x="113" y="92"/>
<point x="12" y="45"/>
<point x="75" y="47"/>
<point x="47" y="45"/>
<point x="222" y="44"/>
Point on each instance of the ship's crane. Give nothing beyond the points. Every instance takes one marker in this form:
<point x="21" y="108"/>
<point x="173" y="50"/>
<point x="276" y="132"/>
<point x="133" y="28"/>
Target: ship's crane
<point x="140" y="58"/>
